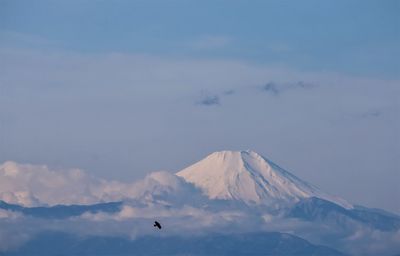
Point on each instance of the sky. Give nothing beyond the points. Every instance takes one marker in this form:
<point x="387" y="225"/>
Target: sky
<point x="123" y="88"/>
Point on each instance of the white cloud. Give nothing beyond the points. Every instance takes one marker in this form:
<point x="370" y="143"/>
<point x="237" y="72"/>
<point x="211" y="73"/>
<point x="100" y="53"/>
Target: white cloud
<point x="159" y="196"/>
<point x="33" y="185"/>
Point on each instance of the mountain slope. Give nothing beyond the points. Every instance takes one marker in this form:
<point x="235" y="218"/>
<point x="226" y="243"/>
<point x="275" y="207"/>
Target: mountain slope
<point x="315" y="209"/>
<point x="272" y="243"/>
<point x="248" y="177"/>
<point x="62" y="211"/>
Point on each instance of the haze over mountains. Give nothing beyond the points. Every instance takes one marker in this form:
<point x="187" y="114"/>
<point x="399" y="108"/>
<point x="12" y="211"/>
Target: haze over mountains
<point x="223" y="204"/>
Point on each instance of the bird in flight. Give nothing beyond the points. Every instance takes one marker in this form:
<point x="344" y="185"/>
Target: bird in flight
<point x="157" y="224"/>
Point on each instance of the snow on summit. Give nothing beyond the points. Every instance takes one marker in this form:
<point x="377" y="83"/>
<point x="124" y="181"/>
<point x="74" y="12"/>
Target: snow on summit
<point x="243" y="176"/>
<point x="248" y="177"/>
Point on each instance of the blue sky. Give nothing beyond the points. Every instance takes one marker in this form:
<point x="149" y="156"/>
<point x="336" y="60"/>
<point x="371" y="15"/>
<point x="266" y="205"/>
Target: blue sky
<point x="121" y="88"/>
<point x="356" y="37"/>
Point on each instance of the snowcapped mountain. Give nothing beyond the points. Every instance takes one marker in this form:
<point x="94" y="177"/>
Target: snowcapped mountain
<point x="248" y="177"/>
<point x="230" y="202"/>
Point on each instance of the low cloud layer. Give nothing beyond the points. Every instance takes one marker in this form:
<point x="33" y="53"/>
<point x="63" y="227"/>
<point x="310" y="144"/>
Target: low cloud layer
<point x="38" y="185"/>
<point x="179" y="206"/>
<point x="34" y="185"/>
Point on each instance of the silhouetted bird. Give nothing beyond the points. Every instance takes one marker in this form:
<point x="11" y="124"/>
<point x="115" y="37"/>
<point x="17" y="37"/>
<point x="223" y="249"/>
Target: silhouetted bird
<point x="157" y="224"/>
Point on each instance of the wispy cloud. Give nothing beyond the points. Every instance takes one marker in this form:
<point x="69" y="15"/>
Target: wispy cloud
<point x="229" y="92"/>
<point x="372" y="113"/>
<point x="275" y="88"/>
<point x="214" y="99"/>
<point x="272" y="88"/>
<point x="209" y="100"/>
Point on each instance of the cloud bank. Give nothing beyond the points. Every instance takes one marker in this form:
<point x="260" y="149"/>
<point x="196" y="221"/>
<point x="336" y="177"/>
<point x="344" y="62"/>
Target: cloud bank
<point x="160" y="195"/>
<point x="38" y="185"/>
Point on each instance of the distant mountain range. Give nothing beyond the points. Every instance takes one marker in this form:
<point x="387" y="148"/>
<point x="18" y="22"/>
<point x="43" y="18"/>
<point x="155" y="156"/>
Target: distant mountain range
<point x="62" y="211"/>
<point x="230" y="203"/>
<point x="213" y="244"/>
<point x="316" y="209"/>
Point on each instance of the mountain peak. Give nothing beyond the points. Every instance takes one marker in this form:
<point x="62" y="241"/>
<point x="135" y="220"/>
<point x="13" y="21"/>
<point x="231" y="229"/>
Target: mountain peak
<point x="251" y="178"/>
